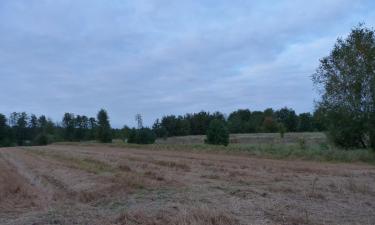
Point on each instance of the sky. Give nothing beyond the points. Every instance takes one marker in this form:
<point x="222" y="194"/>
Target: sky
<point x="159" y="57"/>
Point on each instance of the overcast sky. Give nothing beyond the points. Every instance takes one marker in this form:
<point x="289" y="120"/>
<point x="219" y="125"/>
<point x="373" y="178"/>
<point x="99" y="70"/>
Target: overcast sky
<point x="159" y="57"/>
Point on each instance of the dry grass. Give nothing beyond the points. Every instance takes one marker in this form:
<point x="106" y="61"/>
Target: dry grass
<point x="174" y="165"/>
<point x="114" y="186"/>
<point x="86" y="164"/>
<point x="16" y="194"/>
<point x="187" y="216"/>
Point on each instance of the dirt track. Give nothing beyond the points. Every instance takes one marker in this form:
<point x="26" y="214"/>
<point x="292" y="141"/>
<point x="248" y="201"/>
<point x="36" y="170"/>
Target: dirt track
<point x="103" y="185"/>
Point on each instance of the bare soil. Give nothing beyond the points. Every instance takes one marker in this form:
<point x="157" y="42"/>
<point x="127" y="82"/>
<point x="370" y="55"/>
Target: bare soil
<point x="101" y="185"/>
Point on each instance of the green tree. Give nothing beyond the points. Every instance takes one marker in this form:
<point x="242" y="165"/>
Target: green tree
<point x="5" y="137"/>
<point x="282" y="130"/>
<point x="240" y="122"/>
<point x="305" y="122"/>
<point x="346" y="80"/>
<point x="217" y="133"/>
<point x="175" y="126"/>
<point x="21" y="128"/>
<point x="141" y="136"/>
<point x="288" y="117"/>
<point x="33" y="126"/>
<point x="132" y="136"/>
<point x="104" y="131"/>
<point x="69" y="126"/>
<point x="159" y="130"/>
<point x="81" y="127"/>
<point x="92" y="128"/>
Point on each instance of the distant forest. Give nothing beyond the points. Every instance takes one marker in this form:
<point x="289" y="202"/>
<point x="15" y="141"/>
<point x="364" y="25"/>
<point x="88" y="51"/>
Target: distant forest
<point x="240" y="121"/>
<point x="23" y="129"/>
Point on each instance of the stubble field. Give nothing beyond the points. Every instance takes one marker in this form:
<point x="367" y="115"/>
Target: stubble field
<point x="100" y="185"/>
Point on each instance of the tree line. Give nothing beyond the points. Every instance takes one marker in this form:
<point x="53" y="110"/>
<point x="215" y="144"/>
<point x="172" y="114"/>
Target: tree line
<point x="21" y="129"/>
<point x="240" y="121"/>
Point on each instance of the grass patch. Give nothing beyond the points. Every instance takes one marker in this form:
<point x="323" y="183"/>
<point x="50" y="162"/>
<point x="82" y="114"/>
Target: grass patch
<point x="314" y="152"/>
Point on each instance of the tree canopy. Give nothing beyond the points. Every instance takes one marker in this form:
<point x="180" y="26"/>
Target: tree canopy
<point x="346" y="80"/>
<point x="104" y="132"/>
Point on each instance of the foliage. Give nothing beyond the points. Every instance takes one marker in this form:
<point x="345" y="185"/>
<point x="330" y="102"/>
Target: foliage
<point x="346" y="79"/>
<point x="288" y="117"/>
<point x="217" y="133"/>
<point x="269" y="125"/>
<point x="5" y="133"/>
<point x="41" y="139"/>
<point x="160" y="131"/>
<point x="282" y="130"/>
<point x="141" y="136"/>
<point x="104" y="132"/>
<point x="68" y="123"/>
<point x="305" y="122"/>
<point x="240" y="121"/>
<point x="22" y="129"/>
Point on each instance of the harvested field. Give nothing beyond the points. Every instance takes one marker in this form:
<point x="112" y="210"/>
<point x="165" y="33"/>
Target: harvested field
<point x="68" y="184"/>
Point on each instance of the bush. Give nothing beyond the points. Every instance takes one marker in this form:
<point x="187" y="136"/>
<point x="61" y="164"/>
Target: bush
<point x="217" y="133"/>
<point x="282" y="130"/>
<point x="41" y="139"/>
<point x="141" y="136"/>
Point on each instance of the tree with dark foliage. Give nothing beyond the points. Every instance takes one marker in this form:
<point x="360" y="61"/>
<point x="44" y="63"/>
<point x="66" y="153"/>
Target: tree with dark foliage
<point x="104" y="134"/>
<point x="5" y="134"/>
<point x="288" y="117"/>
<point x="217" y="133"/>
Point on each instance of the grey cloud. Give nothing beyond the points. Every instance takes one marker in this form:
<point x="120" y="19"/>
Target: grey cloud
<point x="161" y="57"/>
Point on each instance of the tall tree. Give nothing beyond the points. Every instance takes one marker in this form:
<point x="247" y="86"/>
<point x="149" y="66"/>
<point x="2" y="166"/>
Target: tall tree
<point x="5" y="139"/>
<point x="269" y="124"/>
<point x="346" y="80"/>
<point x="33" y="127"/>
<point x="69" y="126"/>
<point x="104" y="132"/>
<point x="92" y="128"/>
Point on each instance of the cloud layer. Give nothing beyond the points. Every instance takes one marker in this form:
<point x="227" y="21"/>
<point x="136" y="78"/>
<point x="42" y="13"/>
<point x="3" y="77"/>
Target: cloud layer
<point x="161" y="57"/>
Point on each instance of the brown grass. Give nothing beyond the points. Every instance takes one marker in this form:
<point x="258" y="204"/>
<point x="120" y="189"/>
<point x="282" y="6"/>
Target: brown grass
<point x="192" y="216"/>
<point x="114" y="186"/>
<point x="174" y="165"/>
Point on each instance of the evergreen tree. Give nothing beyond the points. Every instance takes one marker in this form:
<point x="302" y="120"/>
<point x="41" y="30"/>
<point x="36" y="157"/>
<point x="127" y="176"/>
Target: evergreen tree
<point x="217" y="133"/>
<point x="69" y="126"/>
<point x="5" y="139"/>
<point x="104" y="131"/>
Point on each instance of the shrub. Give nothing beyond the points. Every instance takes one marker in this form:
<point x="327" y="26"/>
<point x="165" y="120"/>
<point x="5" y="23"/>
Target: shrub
<point x="217" y="133"/>
<point x="141" y="136"/>
<point x="282" y="130"/>
<point x="302" y="143"/>
<point x="41" y="139"/>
